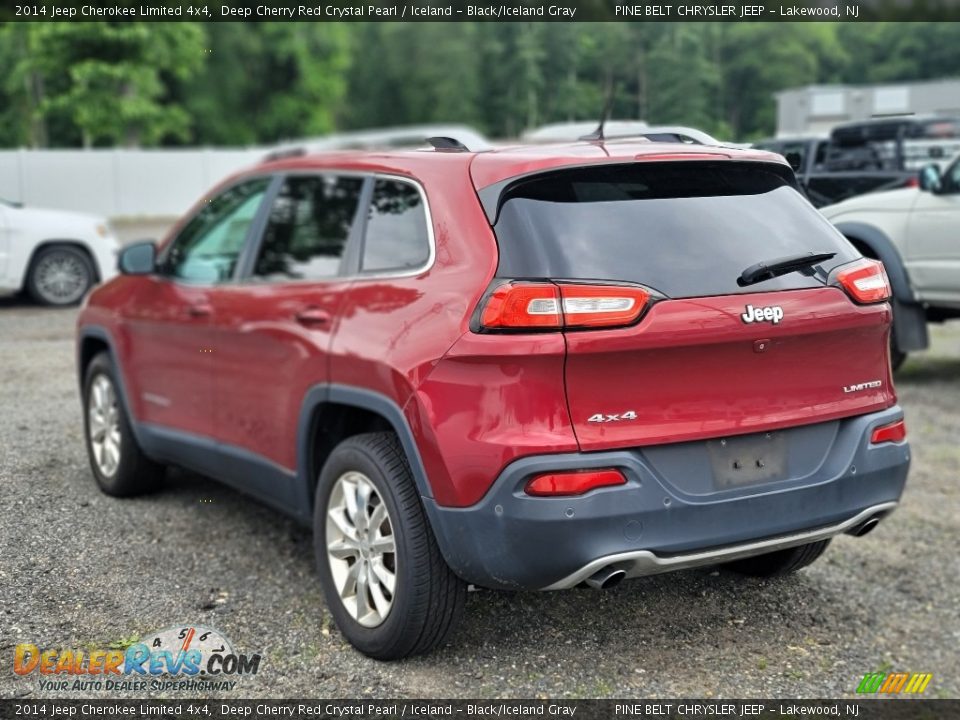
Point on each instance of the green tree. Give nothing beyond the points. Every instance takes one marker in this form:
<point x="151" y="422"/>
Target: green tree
<point x="266" y="82"/>
<point x="413" y="73"/>
<point x="106" y="81"/>
<point x="758" y="59"/>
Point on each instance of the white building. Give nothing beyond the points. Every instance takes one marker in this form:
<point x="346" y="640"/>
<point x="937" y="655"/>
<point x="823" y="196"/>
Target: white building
<point x="816" y="109"/>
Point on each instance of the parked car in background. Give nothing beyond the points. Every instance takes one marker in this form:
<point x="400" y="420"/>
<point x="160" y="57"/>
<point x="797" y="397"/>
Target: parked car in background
<point x="828" y="175"/>
<point x="52" y="255"/>
<point x="905" y="143"/>
<point x="867" y="156"/>
<point x="537" y="367"/>
<point x="915" y="232"/>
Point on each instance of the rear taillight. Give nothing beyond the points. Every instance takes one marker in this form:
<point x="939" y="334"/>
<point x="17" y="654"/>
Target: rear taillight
<point x="865" y="281"/>
<point x="523" y="305"/>
<point x="894" y="432"/>
<point x="573" y="483"/>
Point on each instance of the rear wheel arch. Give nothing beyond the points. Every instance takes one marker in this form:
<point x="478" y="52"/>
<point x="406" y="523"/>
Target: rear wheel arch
<point x="332" y="413"/>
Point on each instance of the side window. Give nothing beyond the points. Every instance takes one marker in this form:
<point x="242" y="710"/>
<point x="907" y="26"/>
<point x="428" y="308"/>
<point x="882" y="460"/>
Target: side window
<point x="207" y="248"/>
<point x="397" y="237"/>
<point x="308" y="228"/>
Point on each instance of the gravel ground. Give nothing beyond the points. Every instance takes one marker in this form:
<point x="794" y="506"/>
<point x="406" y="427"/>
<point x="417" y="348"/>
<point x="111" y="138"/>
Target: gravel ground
<point x="80" y="569"/>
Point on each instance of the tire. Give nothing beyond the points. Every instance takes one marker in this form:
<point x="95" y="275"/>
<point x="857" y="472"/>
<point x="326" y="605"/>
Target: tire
<point x="897" y="356"/>
<point x="60" y="275"/>
<point x="781" y="562"/>
<point x="417" y="611"/>
<point x="124" y="471"/>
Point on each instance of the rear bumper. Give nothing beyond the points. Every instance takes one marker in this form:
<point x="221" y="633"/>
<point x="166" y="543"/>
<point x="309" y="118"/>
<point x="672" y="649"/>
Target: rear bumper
<point x="653" y="524"/>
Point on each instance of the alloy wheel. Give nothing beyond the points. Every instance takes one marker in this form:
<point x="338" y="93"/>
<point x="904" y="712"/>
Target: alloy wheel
<point x="103" y="425"/>
<point x="61" y="278"/>
<point x="361" y="549"/>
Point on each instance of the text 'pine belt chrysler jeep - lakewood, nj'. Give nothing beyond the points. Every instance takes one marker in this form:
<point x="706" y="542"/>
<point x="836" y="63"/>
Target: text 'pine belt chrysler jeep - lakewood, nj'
<point x="524" y="368"/>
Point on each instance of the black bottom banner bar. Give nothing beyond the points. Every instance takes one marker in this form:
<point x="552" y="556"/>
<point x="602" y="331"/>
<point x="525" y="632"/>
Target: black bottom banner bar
<point x="872" y="709"/>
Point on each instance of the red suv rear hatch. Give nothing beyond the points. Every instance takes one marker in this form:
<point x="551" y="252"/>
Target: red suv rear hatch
<point x="696" y="348"/>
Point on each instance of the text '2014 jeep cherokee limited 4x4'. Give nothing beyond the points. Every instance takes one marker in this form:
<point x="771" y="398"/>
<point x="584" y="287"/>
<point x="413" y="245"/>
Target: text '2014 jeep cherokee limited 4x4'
<point x="523" y="368"/>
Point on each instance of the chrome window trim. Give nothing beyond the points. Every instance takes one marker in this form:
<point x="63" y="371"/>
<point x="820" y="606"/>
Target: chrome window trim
<point x="431" y="238"/>
<point x="412" y="272"/>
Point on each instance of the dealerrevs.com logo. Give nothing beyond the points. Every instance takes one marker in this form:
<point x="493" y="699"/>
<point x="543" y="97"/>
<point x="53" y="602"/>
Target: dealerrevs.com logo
<point x="186" y="657"/>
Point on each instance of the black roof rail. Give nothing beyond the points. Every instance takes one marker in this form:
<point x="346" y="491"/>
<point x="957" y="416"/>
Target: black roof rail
<point x="447" y="144"/>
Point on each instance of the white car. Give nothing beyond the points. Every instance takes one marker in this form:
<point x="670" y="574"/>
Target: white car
<point x="54" y="256"/>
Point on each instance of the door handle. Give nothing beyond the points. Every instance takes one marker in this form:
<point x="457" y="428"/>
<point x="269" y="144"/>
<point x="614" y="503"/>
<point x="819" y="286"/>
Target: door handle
<point x="313" y="317"/>
<point x="198" y="310"/>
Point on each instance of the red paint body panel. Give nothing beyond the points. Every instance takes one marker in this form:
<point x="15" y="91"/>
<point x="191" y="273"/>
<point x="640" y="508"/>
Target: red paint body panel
<point x="166" y="353"/>
<point x="491" y="400"/>
<point x="477" y="402"/>
<point x="265" y="362"/>
<point x="691" y="370"/>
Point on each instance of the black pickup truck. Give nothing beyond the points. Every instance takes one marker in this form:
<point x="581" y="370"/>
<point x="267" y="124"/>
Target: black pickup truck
<point x="848" y="174"/>
<point x="868" y="156"/>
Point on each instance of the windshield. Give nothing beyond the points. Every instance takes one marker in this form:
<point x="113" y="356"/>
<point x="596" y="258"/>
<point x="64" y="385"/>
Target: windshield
<point x="686" y="229"/>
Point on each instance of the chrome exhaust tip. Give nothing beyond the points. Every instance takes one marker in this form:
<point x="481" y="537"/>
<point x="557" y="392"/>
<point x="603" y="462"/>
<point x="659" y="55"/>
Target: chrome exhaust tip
<point x="864" y="528"/>
<point x="606" y="578"/>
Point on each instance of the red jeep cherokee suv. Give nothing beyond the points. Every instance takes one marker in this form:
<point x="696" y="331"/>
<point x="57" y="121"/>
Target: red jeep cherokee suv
<point x="535" y="367"/>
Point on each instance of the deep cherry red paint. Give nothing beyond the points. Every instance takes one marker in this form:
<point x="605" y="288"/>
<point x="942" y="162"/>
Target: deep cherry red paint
<point x="233" y="362"/>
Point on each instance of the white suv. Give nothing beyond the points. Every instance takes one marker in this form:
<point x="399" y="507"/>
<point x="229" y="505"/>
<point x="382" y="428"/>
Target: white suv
<point x="55" y="256"/>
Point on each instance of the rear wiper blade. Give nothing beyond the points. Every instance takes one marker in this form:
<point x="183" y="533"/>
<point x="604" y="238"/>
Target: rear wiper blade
<point x="769" y="269"/>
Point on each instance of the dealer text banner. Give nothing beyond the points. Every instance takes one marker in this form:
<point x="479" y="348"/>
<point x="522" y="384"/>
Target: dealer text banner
<point x="393" y="709"/>
<point x="464" y="10"/>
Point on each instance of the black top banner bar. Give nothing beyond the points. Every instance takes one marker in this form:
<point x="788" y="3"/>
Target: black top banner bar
<point x="478" y="11"/>
<point x="375" y="709"/>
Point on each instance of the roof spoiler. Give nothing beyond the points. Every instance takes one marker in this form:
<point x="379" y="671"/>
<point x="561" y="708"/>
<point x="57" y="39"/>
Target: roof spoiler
<point x="447" y="144"/>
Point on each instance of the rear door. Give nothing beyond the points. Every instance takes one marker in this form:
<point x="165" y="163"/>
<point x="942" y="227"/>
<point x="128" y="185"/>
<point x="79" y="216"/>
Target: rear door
<point x="711" y="356"/>
<point x="272" y="330"/>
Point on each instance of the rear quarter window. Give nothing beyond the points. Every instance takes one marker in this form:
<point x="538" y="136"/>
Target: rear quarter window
<point x="397" y="236"/>
<point x="685" y="229"/>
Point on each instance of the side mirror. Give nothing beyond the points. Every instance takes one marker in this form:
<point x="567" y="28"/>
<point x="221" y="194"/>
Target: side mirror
<point x="930" y="178"/>
<point x="795" y="159"/>
<point x="139" y="258"/>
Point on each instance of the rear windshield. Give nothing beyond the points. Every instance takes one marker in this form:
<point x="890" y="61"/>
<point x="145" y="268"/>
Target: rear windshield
<point x="686" y="229"/>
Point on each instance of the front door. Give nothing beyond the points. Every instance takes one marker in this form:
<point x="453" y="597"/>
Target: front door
<point x="933" y="242"/>
<point x="168" y="320"/>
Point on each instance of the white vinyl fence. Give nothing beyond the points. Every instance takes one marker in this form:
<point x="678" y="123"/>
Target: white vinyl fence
<point x="117" y="183"/>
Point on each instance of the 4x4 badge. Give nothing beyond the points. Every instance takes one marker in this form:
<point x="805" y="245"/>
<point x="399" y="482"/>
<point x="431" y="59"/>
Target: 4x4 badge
<point x="772" y="313"/>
